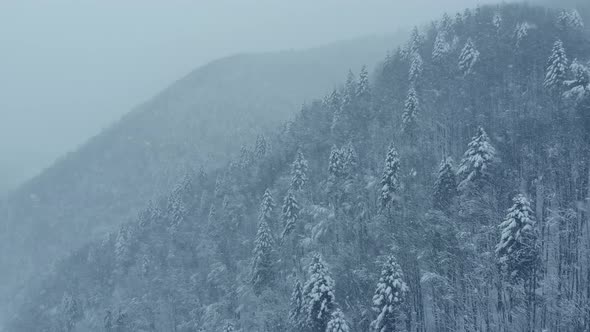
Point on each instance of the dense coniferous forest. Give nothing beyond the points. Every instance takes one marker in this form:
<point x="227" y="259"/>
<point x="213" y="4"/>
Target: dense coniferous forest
<point x="448" y="190"/>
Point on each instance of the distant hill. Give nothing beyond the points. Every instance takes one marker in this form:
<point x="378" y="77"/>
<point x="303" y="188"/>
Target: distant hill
<point x="199" y="120"/>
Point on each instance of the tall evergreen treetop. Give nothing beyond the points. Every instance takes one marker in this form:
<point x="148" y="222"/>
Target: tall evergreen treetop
<point x="290" y="214"/>
<point x="389" y="297"/>
<point x="468" y="58"/>
<point x="296" y="306"/>
<point x="299" y="172"/>
<point x="477" y="159"/>
<point x="338" y="322"/>
<point x="441" y="46"/>
<point x="390" y="180"/>
<point x="266" y="207"/>
<point x="262" y="264"/>
<point x="318" y="295"/>
<point x="411" y="109"/>
<point x="516" y="250"/>
<point x="445" y="186"/>
<point x="557" y="68"/>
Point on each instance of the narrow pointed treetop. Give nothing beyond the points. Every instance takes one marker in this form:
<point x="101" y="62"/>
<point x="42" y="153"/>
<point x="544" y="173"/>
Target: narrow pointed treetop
<point x="516" y="251"/>
<point x="338" y="322"/>
<point x="318" y="294"/>
<point x="556" y="68"/>
<point x="445" y="186"/>
<point x="389" y="296"/>
<point x="441" y="46"/>
<point x="290" y="214"/>
<point x="411" y="109"/>
<point x="468" y="58"/>
<point x="364" y="88"/>
<point x="416" y="67"/>
<point x="390" y="180"/>
<point x="266" y="207"/>
<point x="299" y="172"/>
<point x="262" y="263"/>
<point x="296" y="306"/>
<point x="477" y="159"/>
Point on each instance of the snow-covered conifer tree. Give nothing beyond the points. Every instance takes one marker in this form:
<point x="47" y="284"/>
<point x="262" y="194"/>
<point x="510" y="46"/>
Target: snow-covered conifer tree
<point x="497" y="21"/>
<point x="468" y="58"/>
<point x="70" y="312"/>
<point x="261" y="148"/>
<point x="445" y="186"/>
<point x="296" y="306"/>
<point x="299" y="172"/>
<point x="266" y="208"/>
<point x="262" y="264"/>
<point x="477" y="159"/>
<point x="410" y="111"/>
<point x="441" y="47"/>
<point x="557" y="68"/>
<point x="318" y="294"/>
<point x="390" y="180"/>
<point x="416" y="66"/>
<point x="517" y="251"/>
<point x="389" y="297"/>
<point x="337" y="322"/>
<point x="290" y="214"/>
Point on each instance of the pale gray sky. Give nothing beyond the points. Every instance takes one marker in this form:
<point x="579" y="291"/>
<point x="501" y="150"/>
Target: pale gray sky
<point x="70" y="67"/>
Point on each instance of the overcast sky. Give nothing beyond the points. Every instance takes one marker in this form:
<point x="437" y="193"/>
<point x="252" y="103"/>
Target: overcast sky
<point x="70" y="67"/>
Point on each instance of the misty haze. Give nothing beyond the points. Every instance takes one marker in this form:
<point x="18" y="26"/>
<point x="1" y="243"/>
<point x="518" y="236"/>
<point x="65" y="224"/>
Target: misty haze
<point x="297" y="166"/>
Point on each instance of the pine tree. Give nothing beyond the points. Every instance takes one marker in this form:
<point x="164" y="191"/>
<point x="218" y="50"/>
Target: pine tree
<point x="416" y="66"/>
<point x="175" y="209"/>
<point x="335" y="169"/>
<point x="363" y="93"/>
<point x="521" y="32"/>
<point x="414" y="44"/>
<point x="349" y="160"/>
<point x="557" y="68"/>
<point x="290" y="214"/>
<point x="318" y="294"/>
<point x="410" y="112"/>
<point x="516" y="251"/>
<point x="299" y="172"/>
<point x="477" y="159"/>
<point x="267" y="206"/>
<point x="441" y="47"/>
<point x="296" y="307"/>
<point x="570" y="21"/>
<point x="261" y="148"/>
<point x="390" y="180"/>
<point x="445" y="187"/>
<point x="389" y="297"/>
<point x="338" y="322"/>
<point x="468" y="58"/>
<point x="262" y="265"/>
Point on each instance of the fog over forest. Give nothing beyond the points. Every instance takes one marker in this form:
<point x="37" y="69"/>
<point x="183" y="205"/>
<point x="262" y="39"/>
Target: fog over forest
<point x="299" y="166"/>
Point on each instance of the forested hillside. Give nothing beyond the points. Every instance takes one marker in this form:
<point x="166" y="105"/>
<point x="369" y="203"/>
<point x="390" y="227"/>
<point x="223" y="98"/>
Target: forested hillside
<point x="447" y="191"/>
<point x="197" y="122"/>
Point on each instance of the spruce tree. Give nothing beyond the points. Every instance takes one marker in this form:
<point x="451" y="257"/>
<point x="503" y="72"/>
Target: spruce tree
<point x="557" y="68"/>
<point x="299" y="172"/>
<point x="262" y="264"/>
<point x="517" y="252"/>
<point x="349" y="160"/>
<point x="390" y="180"/>
<point x="318" y="294"/>
<point x="335" y="170"/>
<point x="338" y="322"/>
<point x="261" y="148"/>
<point x="441" y="47"/>
<point x="468" y="58"/>
<point x="497" y="21"/>
<point x="389" y="297"/>
<point x="477" y="159"/>
<point x="70" y="312"/>
<point x="416" y="67"/>
<point x="410" y="112"/>
<point x="296" y="307"/>
<point x="363" y="95"/>
<point x="290" y="214"/>
<point x="267" y="206"/>
<point x="445" y="186"/>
